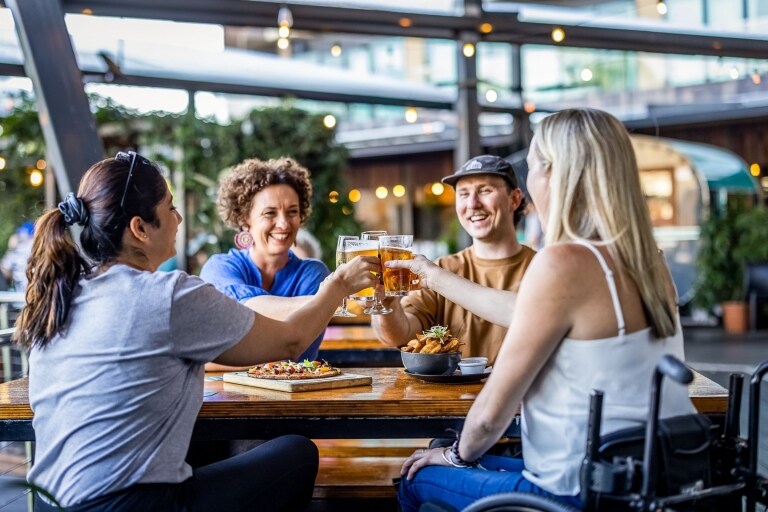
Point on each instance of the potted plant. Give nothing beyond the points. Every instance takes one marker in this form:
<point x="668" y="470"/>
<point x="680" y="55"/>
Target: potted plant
<point x="729" y="240"/>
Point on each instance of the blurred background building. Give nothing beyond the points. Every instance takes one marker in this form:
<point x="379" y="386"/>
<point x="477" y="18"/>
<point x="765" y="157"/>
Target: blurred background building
<point x="411" y="89"/>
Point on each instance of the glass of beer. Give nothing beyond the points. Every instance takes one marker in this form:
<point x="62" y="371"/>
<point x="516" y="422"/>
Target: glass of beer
<point x="341" y="258"/>
<point x="354" y="248"/>
<point x="397" y="281"/>
<point x="378" y="307"/>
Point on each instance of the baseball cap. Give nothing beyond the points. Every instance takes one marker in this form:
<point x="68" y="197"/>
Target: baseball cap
<point x="484" y="164"/>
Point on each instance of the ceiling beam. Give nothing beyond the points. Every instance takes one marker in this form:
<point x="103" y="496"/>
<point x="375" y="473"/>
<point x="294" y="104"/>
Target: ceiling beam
<point x="510" y="26"/>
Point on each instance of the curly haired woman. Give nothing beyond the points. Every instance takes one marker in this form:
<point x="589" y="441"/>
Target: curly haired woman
<point x="267" y="202"/>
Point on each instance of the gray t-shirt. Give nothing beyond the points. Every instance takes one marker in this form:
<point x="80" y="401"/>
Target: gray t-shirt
<point x="116" y="395"/>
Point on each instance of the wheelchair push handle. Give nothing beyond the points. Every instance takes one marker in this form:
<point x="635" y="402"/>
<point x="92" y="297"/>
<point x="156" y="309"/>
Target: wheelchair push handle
<point x="672" y="367"/>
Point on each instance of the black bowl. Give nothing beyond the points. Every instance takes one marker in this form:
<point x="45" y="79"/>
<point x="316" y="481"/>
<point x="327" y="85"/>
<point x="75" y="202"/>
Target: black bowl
<point x="431" y="364"/>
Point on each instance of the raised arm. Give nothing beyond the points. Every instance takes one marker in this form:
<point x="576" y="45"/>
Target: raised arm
<point x="272" y="340"/>
<point x="543" y="318"/>
<point x="490" y="304"/>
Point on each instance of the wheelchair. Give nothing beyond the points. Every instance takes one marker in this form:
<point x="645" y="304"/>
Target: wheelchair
<point x="683" y="463"/>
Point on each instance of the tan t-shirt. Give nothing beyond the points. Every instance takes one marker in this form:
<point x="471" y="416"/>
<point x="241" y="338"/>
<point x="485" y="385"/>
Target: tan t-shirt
<point x="481" y="338"/>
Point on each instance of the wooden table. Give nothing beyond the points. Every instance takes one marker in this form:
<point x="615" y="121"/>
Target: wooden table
<point x="394" y="406"/>
<point x="357" y="345"/>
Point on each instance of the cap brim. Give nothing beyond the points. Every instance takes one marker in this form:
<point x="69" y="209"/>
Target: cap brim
<point x="453" y="178"/>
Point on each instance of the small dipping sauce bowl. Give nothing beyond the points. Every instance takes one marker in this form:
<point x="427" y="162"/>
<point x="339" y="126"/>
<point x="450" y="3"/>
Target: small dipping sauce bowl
<point x="470" y="365"/>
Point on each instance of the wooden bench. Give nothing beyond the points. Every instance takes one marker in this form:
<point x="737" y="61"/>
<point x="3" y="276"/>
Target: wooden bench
<point x="352" y="469"/>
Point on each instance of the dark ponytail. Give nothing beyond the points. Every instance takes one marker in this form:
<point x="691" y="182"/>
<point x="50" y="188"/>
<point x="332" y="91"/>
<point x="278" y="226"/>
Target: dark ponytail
<point x="105" y="203"/>
<point x="53" y="270"/>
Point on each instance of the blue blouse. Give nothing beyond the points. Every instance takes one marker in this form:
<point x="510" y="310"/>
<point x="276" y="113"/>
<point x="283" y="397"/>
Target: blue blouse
<point x="236" y="275"/>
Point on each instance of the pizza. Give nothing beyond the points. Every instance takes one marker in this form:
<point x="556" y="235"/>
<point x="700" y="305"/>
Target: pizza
<point x="293" y="370"/>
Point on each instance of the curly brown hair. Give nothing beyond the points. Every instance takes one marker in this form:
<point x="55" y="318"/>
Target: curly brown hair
<point x="239" y="186"/>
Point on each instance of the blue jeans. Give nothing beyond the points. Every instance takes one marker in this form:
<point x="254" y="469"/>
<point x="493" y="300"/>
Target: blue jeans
<point x="460" y="487"/>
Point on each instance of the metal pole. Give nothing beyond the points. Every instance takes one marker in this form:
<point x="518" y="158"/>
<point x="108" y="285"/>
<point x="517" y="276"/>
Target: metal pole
<point x="467" y="106"/>
<point x="69" y="128"/>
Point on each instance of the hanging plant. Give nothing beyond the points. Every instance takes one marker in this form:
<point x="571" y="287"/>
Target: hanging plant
<point x="199" y="149"/>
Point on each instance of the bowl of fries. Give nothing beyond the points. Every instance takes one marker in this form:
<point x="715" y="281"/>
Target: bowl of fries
<point x="433" y="352"/>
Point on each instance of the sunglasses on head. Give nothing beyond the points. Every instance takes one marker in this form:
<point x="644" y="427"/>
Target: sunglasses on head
<point x="132" y="157"/>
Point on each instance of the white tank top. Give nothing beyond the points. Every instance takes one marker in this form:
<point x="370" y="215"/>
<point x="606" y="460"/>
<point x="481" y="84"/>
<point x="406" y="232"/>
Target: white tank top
<point x="556" y="407"/>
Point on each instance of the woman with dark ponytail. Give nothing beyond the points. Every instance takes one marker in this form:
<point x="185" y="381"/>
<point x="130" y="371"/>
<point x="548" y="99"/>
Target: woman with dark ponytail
<point x="117" y="352"/>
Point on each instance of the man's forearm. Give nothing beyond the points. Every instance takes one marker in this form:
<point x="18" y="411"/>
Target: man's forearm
<point x="394" y="329"/>
<point x="490" y="304"/>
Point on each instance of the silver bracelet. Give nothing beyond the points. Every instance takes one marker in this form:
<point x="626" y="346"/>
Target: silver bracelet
<point x="449" y="459"/>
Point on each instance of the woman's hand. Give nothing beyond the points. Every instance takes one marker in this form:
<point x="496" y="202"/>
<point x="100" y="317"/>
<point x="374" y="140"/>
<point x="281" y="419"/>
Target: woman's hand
<point x="356" y="275"/>
<point x="427" y="271"/>
<point x="423" y="458"/>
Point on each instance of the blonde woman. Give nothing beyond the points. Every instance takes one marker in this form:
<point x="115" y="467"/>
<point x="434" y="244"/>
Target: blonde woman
<point x="596" y="309"/>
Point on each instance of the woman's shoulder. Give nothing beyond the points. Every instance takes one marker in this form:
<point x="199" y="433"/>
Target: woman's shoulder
<point x="569" y="264"/>
<point x="235" y="258"/>
<point x="309" y="265"/>
<point x="564" y="256"/>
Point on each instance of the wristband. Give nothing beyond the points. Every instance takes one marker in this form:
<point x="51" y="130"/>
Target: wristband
<point x="448" y="457"/>
<point x="456" y="457"/>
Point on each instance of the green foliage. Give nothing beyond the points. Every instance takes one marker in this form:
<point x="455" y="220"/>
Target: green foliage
<point x="728" y="241"/>
<point x="21" y="146"/>
<point x="195" y="150"/>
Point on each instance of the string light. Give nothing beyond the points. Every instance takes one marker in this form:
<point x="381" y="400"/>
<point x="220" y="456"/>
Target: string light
<point x="754" y="169"/>
<point x="336" y="50"/>
<point x="558" y="35"/>
<point x="486" y="28"/>
<point x="284" y="24"/>
<point x="398" y="191"/>
<point x="529" y="107"/>
<point x="355" y="195"/>
<point x="734" y="73"/>
<point x="411" y="115"/>
<point x="468" y="50"/>
<point x="41" y="164"/>
<point x="438" y="188"/>
<point x="405" y="22"/>
<point x="36" y="178"/>
<point x="382" y="192"/>
<point x="586" y="74"/>
<point x="2" y="163"/>
<point x="329" y="121"/>
<point x="756" y="79"/>
<point x="284" y="17"/>
<point x="491" y="96"/>
<point x="333" y="196"/>
<point x="661" y="7"/>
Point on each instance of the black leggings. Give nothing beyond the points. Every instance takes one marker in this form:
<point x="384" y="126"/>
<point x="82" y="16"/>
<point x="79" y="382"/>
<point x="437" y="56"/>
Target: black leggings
<point x="278" y="475"/>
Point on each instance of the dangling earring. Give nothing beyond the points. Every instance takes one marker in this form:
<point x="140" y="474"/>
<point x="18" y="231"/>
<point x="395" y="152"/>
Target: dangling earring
<point x="243" y="239"/>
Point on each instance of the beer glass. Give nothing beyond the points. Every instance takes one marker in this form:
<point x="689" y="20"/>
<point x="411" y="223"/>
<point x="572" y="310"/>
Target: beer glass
<point x="397" y="281"/>
<point x="354" y="248"/>
<point x="341" y="258"/>
<point x="378" y="307"/>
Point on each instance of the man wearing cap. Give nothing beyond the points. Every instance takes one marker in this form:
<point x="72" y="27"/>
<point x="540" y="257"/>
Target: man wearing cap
<point x="489" y="204"/>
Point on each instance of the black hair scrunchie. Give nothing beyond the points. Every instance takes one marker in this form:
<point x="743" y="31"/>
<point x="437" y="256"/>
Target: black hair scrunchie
<point x="74" y="210"/>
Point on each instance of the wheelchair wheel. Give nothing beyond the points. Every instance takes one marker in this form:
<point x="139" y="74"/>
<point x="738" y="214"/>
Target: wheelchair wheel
<point x="518" y="502"/>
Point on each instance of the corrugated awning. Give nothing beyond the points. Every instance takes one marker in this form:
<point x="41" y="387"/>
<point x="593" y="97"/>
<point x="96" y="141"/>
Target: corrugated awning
<point x="721" y="168"/>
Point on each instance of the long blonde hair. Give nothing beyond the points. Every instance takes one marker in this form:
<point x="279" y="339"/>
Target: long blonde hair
<point x="595" y="195"/>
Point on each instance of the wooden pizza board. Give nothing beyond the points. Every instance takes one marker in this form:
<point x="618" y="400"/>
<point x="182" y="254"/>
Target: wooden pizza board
<point x="345" y="380"/>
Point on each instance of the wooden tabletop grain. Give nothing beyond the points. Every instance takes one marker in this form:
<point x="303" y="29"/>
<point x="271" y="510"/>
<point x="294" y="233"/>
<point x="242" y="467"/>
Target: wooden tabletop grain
<point x="392" y="394"/>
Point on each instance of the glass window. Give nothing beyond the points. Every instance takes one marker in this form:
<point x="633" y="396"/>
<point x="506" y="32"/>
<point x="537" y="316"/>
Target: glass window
<point x="725" y="15"/>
